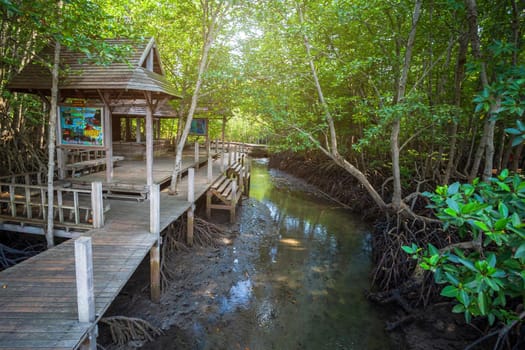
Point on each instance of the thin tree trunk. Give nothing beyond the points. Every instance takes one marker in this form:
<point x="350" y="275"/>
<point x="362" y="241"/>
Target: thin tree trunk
<point x="51" y="145"/>
<point x="332" y="151"/>
<point x="517" y="157"/>
<point x="396" y="126"/>
<point x="458" y="82"/>
<point x="488" y="130"/>
<point x="209" y="37"/>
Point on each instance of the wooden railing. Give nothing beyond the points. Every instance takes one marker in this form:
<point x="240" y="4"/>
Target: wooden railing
<point x="73" y="208"/>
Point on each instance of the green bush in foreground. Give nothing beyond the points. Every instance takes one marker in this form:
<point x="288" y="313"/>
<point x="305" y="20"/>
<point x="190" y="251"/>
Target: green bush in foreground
<point x="485" y="273"/>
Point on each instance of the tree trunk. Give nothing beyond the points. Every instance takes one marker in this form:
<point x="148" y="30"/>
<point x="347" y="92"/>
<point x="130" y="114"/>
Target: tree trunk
<point x="487" y="143"/>
<point x="458" y="82"/>
<point x="209" y="37"/>
<point x="51" y="145"/>
<point x="332" y="150"/>
<point x="400" y="95"/>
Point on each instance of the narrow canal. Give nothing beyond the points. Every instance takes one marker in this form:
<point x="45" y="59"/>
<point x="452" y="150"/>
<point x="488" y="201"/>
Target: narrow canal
<point x="295" y="282"/>
<point x="305" y="288"/>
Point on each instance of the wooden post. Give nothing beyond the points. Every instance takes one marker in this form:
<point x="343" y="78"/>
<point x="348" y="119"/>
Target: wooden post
<point x="85" y="290"/>
<point x="191" y="199"/>
<point x="137" y="130"/>
<point x="210" y="169"/>
<point x="223" y="162"/>
<point x="197" y="154"/>
<point x="216" y="145"/>
<point x="241" y="179"/>
<point x="154" y="254"/>
<point x="127" y="135"/>
<point x="154" y="209"/>
<point x="108" y="140"/>
<point x="229" y="154"/>
<point x="149" y="140"/>
<point x="97" y="204"/>
<point x="234" y="201"/>
<point x="61" y="163"/>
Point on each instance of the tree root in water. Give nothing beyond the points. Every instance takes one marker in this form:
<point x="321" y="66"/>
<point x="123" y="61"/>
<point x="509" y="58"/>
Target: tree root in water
<point x="124" y="329"/>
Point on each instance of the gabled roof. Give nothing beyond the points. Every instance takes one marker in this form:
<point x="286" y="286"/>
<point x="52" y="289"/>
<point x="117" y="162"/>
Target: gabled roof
<point x="83" y="79"/>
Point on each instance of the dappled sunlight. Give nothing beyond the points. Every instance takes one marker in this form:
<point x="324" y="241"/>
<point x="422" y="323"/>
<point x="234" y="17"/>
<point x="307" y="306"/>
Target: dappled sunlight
<point x="291" y="242"/>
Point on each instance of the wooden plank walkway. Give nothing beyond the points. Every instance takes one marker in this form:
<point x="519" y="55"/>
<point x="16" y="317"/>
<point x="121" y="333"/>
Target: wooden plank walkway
<point x="38" y="305"/>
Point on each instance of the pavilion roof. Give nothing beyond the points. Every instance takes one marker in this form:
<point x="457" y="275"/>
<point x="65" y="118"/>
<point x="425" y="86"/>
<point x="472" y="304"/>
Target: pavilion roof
<point x="80" y="78"/>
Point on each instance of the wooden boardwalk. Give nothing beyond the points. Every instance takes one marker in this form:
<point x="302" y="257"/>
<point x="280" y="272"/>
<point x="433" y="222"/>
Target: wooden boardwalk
<point x="38" y="299"/>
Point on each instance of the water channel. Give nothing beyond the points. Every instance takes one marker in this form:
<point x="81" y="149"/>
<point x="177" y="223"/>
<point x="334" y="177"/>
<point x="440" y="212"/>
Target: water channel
<point x="304" y="287"/>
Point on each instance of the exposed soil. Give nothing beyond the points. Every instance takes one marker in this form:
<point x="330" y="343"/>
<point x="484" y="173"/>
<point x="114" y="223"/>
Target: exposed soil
<point x="201" y="274"/>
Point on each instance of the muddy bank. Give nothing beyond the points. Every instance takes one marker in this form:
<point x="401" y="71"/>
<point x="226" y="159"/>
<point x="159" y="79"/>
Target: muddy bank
<point x="200" y="276"/>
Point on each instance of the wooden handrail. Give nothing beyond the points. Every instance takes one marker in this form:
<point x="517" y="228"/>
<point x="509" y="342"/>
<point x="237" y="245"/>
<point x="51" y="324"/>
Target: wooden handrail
<point x="18" y="201"/>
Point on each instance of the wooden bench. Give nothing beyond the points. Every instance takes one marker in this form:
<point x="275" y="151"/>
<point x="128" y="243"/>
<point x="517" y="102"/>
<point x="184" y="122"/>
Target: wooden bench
<point x="89" y="165"/>
<point x="240" y="171"/>
<point x="227" y="194"/>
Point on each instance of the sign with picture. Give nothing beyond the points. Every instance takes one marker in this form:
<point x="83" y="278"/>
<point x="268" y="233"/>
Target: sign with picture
<point x="199" y="127"/>
<point x="81" y="126"/>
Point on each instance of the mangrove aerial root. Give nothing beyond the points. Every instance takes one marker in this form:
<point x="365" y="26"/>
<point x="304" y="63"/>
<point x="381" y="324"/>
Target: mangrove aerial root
<point x="205" y="234"/>
<point x="124" y="329"/>
<point x="396" y="270"/>
<point x="11" y="256"/>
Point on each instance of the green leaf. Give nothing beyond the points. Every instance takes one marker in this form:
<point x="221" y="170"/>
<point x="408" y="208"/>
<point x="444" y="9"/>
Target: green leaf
<point x="450" y="212"/>
<point x="520" y="252"/>
<point x="408" y="249"/>
<point x="491" y="318"/>
<point x="482" y="303"/>
<point x="449" y="291"/>
<point x="453" y="189"/>
<point x="513" y="131"/>
<point x="518" y="140"/>
<point x="463" y="298"/>
<point x="516" y="221"/>
<point x="481" y="225"/>
<point x="453" y="205"/>
<point x="503" y="186"/>
<point x="458" y="308"/>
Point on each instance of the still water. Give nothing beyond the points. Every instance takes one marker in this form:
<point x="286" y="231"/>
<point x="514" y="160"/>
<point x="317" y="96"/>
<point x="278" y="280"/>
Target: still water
<point x="304" y="287"/>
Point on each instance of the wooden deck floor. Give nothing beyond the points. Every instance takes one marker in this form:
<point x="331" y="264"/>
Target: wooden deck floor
<point x="38" y="307"/>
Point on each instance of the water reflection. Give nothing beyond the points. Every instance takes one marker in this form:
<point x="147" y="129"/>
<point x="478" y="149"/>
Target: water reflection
<point x="238" y="296"/>
<point x="306" y="291"/>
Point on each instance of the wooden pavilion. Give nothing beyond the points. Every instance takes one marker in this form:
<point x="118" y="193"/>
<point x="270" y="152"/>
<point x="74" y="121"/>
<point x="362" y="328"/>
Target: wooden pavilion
<point x="138" y="84"/>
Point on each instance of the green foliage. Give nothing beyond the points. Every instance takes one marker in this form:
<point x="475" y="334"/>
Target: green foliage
<point x="483" y="280"/>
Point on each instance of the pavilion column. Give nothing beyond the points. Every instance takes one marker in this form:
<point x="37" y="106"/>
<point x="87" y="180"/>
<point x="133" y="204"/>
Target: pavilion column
<point x="137" y="131"/>
<point x="128" y="130"/>
<point x="108" y="139"/>
<point x="149" y="140"/>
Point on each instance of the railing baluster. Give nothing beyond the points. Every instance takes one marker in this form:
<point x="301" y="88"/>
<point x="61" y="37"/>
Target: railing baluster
<point x="76" y="208"/>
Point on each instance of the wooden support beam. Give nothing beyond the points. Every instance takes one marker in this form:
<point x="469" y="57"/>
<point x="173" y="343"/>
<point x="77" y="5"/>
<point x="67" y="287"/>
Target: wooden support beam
<point x="97" y="204"/>
<point x="149" y="140"/>
<point x="191" y="199"/>
<point x="137" y="130"/>
<point x="210" y="169"/>
<point x="154" y="224"/>
<point x="154" y="253"/>
<point x="196" y="154"/>
<point x="230" y="154"/>
<point x="223" y="161"/>
<point x="234" y="201"/>
<point x="85" y="289"/>
<point x="108" y="137"/>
